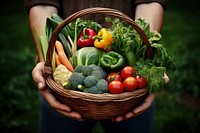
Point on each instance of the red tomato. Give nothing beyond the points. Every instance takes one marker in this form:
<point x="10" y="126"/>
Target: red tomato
<point x="116" y="87"/>
<point x="130" y="84"/>
<point x="113" y="76"/>
<point x="127" y="71"/>
<point x="141" y="81"/>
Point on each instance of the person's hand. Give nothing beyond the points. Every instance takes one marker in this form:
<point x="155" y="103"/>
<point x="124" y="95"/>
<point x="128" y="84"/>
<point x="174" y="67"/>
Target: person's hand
<point x="144" y="106"/>
<point x="37" y="75"/>
<point x="138" y="110"/>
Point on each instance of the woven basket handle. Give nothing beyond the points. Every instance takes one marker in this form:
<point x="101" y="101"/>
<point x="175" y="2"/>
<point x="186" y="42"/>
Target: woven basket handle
<point x="87" y="11"/>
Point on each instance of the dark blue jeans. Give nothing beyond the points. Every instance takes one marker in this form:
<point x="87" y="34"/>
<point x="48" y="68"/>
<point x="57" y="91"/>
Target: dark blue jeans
<point x="53" y="122"/>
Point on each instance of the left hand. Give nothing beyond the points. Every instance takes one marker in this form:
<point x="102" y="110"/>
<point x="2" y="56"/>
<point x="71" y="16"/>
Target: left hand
<point x="39" y="80"/>
<point x="138" y="110"/>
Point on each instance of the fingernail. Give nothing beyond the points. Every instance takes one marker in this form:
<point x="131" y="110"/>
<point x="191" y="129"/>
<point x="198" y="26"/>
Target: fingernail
<point x="119" y="119"/>
<point x="129" y="115"/>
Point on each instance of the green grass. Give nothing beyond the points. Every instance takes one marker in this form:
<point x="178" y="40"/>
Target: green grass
<point x="177" y="106"/>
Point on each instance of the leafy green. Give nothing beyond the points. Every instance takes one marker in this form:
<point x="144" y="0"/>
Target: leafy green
<point x="128" y="42"/>
<point x="144" y="25"/>
<point x="156" y="79"/>
<point x="155" y="37"/>
<point x="124" y="42"/>
<point x="71" y="31"/>
<point x="86" y="56"/>
<point x="154" y="75"/>
<point x="162" y="58"/>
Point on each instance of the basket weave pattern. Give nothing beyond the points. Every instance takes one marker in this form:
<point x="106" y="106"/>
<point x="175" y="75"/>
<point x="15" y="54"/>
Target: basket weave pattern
<point x="95" y="106"/>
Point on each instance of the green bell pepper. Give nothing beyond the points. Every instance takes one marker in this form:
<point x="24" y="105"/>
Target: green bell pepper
<point x="112" y="61"/>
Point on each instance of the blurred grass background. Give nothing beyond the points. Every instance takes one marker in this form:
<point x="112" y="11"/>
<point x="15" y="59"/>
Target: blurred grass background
<point x="177" y="106"/>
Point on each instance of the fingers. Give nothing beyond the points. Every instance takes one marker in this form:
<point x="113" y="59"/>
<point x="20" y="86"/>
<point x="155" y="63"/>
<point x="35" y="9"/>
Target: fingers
<point x="37" y="75"/>
<point x="138" y="110"/>
<point x="61" y="108"/>
<point x="118" y="119"/>
<point x="129" y="115"/>
<point x="145" y="105"/>
<point x="73" y="115"/>
<point x="53" y="102"/>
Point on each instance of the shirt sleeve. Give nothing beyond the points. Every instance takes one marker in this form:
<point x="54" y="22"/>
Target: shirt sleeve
<point x="162" y="2"/>
<point x="30" y="3"/>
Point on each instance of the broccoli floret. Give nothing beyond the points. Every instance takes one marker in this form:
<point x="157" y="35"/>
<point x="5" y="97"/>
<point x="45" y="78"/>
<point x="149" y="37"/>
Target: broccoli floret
<point x="86" y="71"/>
<point x="79" y="68"/>
<point x="96" y="74"/>
<point x="102" y="86"/>
<point x="90" y="81"/>
<point x="100" y="69"/>
<point x="76" y="79"/>
<point x="92" y="89"/>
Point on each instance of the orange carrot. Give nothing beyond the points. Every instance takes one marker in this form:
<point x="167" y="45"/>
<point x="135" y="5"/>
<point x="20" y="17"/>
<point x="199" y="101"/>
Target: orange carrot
<point x="62" y="56"/>
<point x="57" y="60"/>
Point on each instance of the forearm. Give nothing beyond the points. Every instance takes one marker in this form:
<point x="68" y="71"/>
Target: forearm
<point x="37" y="19"/>
<point x="153" y="13"/>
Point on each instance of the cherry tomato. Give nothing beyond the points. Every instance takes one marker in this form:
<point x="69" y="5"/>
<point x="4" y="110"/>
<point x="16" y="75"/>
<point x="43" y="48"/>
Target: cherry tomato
<point x="113" y="76"/>
<point x="127" y="71"/>
<point x="116" y="87"/>
<point x="141" y="81"/>
<point x="130" y="84"/>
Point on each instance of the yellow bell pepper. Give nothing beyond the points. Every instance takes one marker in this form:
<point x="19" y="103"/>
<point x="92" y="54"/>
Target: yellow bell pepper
<point x="103" y="39"/>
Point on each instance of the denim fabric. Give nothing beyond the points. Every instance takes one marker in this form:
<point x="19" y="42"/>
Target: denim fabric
<point x="142" y="123"/>
<point x="53" y="122"/>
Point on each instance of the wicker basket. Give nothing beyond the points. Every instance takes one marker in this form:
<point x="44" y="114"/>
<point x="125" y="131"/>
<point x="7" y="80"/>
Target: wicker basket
<point x="95" y="106"/>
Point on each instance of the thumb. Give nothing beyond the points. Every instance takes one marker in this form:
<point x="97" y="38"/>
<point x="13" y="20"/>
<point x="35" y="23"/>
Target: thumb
<point x="37" y="75"/>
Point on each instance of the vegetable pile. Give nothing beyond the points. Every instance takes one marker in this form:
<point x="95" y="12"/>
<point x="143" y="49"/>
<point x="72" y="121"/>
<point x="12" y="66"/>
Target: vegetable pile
<point x="95" y="59"/>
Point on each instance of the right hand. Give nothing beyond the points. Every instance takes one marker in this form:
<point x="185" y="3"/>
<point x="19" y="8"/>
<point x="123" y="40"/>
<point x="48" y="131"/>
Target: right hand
<point x="37" y="75"/>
